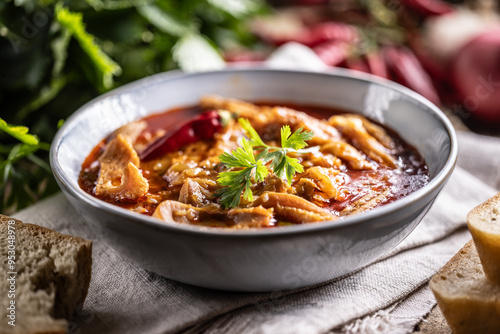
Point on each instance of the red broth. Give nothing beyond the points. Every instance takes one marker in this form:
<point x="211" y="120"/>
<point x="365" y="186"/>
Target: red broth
<point x="411" y="176"/>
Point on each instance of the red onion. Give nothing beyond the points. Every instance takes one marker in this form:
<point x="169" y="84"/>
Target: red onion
<point x="475" y="72"/>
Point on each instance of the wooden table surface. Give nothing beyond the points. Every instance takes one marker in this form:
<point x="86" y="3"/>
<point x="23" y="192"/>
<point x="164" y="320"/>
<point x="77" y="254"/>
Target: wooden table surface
<point x="433" y="323"/>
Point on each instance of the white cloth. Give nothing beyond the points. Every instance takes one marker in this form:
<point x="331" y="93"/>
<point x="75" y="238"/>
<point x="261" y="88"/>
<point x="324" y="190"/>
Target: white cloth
<point x="389" y="296"/>
<point x="388" y="284"/>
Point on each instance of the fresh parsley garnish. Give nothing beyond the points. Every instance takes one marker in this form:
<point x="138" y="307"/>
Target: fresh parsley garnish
<point x="251" y="168"/>
<point x="238" y="181"/>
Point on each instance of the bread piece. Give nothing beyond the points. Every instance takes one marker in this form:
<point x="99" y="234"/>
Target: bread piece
<point x="484" y="225"/>
<point x="52" y="277"/>
<point x="469" y="301"/>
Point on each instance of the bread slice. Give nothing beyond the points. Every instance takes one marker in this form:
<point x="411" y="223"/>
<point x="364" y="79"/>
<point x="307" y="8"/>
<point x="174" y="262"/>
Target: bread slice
<point x="51" y="272"/>
<point x="469" y="301"/>
<point x="484" y="225"/>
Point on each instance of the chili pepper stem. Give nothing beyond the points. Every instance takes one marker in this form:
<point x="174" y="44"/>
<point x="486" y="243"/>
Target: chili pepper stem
<point x="226" y="117"/>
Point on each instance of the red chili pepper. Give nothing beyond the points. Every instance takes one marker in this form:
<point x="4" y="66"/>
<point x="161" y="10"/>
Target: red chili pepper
<point x="407" y="70"/>
<point x="309" y="2"/>
<point x="429" y="7"/>
<point x="371" y="62"/>
<point x="328" y="31"/>
<point x="438" y="70"/>
<point x="245" y="56"/>
<point x="357" y="64"/>
<point x="332" y="53"/>
<point x="319" y="33"/>
<point x="376" y="64"/>
<point x="202" y="127"/>
<point x="434" y="67"/>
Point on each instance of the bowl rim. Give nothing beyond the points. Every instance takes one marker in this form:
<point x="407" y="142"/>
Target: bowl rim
<point x="155" y="223"/>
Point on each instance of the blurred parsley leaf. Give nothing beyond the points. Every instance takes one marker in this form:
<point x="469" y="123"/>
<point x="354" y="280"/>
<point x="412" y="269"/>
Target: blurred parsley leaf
<point x="19" y="132"/>
<point x="16" y="173"/>
<point x="237" y="8"/>
<point x="164" y="21"/>
<point x="79" y="49"/>
<point x="194" y="53"/>
<point x="73" y="22"/>
<point x="99" y="5"/>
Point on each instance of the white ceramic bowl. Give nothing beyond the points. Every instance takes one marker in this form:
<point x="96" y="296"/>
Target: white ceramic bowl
<point x="257" y="260"/>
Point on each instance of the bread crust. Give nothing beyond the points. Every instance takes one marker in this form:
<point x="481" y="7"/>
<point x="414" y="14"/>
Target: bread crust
<point x="484" y="224"/>
<point x="53" y="274"/>
<point x="468" y="300"/>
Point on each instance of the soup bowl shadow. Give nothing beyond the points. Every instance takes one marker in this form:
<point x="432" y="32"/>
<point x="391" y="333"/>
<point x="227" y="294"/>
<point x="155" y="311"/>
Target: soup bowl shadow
<point x="278" y="258"/>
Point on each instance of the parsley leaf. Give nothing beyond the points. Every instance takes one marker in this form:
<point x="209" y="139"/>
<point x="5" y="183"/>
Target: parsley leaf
<point x="19" y="132"/>
<point x="241" y="157"/>
<point x="253" y="168"/>
<point x="285" y="167"/>
<point x="73" y="23"/>
<point x="235" y="183"/>
<point x="296" y="140"/>
<point x="255" y="140"/>
<point x="238" y="181"/>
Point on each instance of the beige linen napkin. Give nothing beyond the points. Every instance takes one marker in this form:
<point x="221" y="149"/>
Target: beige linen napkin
<point x="389" y="296"/>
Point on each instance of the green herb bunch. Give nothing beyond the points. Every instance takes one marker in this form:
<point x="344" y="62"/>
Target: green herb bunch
<point x="55" y="55"/>
<point x="19" y="166"/>
<point x="251" y="168"/>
